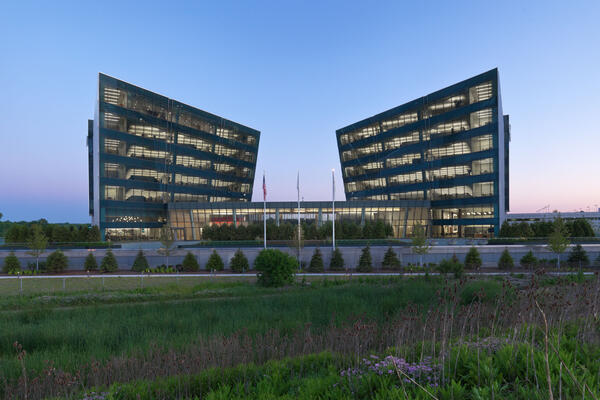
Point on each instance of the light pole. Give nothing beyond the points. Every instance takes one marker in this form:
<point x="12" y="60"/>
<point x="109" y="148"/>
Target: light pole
<point x="333" y="203"/>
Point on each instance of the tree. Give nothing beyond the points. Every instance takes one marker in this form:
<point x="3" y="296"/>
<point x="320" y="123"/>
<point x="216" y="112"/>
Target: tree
<point x="190" y="263"/>
<point x="528" y="260"/>
<point x="390" y="259"/>
<point x="140" y="263"/>
<point x="419" y="242"/>
<point x="337" y="260"/>
<point x="168" y="241"/>
<point x="11" y="264"/>
<point x="506" y="260"/>
<point x="90" y="263"/>
<point x="451" y="266"/>
<point x="109" y="262"/>
<point x="364" y="263"/>
<point x="578" y="257"/>
<point x="473" y="259"/>
<point x="558" y="241"/>
<point x="275" y="268"/>
<point x="239" y="262"/>
<point x="316" y="262"/>
<point x="37" y="244"/>
<point x="56" y="262"/>
<point x="215" y="262"/>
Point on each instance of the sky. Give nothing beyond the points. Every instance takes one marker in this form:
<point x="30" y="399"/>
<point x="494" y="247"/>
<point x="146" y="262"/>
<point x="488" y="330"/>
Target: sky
<point x="296" y="71"/>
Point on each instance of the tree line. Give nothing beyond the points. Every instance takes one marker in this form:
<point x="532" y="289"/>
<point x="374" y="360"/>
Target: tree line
<point x="23" y="232"/>
<point x="310" y="231"/>
<point x="542" y="229"/>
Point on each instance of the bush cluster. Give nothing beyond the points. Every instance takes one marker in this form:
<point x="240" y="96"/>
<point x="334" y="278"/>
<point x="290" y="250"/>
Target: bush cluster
<point x="576" y="228"/>
<point x="22" y="232"/>
<point x="56" y="262"/>
<point x="310" y="231"/>
<point x="275" y="268"/>
<point x="453" y="265"/>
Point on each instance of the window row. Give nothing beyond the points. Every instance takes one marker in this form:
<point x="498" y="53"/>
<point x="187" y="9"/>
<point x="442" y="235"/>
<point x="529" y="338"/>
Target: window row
<point x="471" y="95"/>
<point x="480" y="189"/>
<point x="461" y="213"/>
<point x="177" y="113"/>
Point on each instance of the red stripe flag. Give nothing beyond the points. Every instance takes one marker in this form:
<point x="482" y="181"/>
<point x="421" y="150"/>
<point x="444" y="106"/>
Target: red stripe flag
<point x="264" y="188"/>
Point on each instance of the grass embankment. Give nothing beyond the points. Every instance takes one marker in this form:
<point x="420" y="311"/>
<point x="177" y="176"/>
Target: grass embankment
<point x="71" y="338"/>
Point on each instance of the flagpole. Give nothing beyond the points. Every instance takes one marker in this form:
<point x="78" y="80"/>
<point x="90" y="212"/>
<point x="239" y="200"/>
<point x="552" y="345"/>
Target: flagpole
<point x="299" y="229"/>
<point x="333" y="203"/>
<point x="264" y="211"/>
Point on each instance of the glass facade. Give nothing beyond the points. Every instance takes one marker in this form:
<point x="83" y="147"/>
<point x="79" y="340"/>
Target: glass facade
<point x="188" y="219"/>
<point x="449" y="148"/>
<point x="146" y="150"/>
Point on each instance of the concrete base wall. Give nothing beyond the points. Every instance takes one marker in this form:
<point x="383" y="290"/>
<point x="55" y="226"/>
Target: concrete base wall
<point x="489" y="255"/>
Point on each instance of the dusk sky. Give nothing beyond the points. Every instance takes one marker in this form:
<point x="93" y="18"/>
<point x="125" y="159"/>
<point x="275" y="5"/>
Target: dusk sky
<point x="297" y="71"/>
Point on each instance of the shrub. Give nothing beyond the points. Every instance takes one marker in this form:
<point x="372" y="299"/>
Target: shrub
<point x="140" y="263"/>
<point x="215" y="262"/>
<point x="451" y="266"/>
<point x="337" y="261"/>
<point x="239" y="262"/>
<point x="109" y="262"/>
<point x="56" y="262"/>
<point x="473" y="259"/>
<point x="390" y="260"/>
<point x="528" y="260"/>
<point x="316" y="262"/>
<point x="275" y="268"/>
<point x="190" y="263"/>
<point x="506" y="260"/>
<point x="11" y="264"/>
<point x="364" y="263"/>
<point x="90" y="263"/>
<point x="578" y="257"/>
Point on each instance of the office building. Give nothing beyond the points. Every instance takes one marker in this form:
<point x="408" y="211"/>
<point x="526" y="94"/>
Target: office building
<point x="449" y="148"/>
<point x="146" y="151"/>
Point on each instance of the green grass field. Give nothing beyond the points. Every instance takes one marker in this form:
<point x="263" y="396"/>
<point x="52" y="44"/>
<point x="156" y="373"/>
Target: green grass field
<point x="80" y="339"/>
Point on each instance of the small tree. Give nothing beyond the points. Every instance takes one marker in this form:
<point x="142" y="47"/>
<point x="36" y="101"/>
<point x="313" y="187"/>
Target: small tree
<point x="168" y="241"/>
<point x="316" y="262"/>
<point x="364" y="263"/>
<point x="558" y="241"/>
<point x="528" y="260"/>
<point x="239" y="262"/>
<point x="109" y="262"/>
<point x="56" y="262"/>
<point x="37" y="244"/>
<point x="473" y="259"/>
<point x="451" y="266"/>
<point x="190" y="263"/>
<point x="337" y="260"/>
<point x="11" y="264"/>
<point x="215" y="262"/>
<point x="578" y="257"/>
<point x="419" y="242"/>
<point x="90" y="263"/>
<point x="390" y="259"/>
<point x="506" y="260"/>
<point x="140" y="263"/>
<point x="275" y="268"/>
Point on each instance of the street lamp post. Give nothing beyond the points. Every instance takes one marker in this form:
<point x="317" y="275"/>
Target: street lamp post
<point x="333" y="203"/>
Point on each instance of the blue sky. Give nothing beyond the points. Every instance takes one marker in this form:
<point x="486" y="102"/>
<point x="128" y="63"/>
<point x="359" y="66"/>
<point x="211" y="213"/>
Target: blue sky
<point x="296" y="71"/>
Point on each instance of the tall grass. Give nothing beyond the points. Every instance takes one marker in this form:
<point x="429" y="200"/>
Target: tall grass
<point x="459" y="324"/>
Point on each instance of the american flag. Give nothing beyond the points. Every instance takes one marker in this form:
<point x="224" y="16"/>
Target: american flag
<point x="264" y="188"/>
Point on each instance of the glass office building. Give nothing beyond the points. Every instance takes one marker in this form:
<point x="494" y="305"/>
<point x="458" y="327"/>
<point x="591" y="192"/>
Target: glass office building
<point x="188" y="219"/>
<point x="146" y="151"/>
<point x="449" y="148"/>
